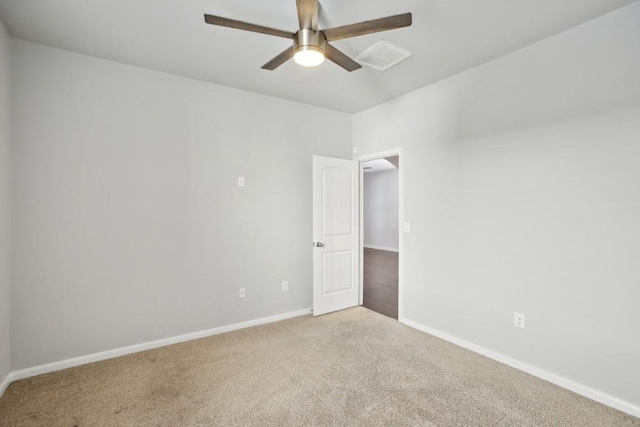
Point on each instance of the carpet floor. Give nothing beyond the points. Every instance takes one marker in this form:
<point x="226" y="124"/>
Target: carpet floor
<point x="351" y="368"/>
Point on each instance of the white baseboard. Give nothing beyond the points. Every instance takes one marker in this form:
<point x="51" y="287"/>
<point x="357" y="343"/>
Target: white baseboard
<point x="563" y="382"/>
<point x="382" y="248"/>
<point x="96" y="357"/>
<point x="5" y="383"/>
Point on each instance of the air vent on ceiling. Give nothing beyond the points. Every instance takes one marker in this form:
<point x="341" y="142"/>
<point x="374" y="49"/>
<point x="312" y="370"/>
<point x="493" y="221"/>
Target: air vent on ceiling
<point x="383" y="55"/>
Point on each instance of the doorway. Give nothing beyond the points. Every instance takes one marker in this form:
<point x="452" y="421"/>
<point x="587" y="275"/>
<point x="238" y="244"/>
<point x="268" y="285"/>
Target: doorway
<point x="380" y="233"/>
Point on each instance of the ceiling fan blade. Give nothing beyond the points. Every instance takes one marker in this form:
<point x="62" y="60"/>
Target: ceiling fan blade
<point x="368" y="27"/>
<point x="232" y="23"/>
<point x="279" y="60"/>
<point x="333" y="54"/>
<point x="308" y="14"/>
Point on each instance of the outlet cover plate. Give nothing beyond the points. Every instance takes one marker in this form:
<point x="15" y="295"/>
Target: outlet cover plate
<point x="518" y="320"/>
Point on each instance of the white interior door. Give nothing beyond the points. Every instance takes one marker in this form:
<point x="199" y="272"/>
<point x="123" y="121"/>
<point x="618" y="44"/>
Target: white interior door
<point x="335" y="234"/>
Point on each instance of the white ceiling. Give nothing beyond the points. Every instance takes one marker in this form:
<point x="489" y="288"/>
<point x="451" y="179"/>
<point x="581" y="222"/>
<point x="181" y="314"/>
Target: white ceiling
<point x="447" y="37"/>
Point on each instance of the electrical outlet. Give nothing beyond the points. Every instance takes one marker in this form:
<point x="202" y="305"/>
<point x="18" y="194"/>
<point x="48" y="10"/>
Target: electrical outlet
<point x="241" y="181"/>
<point x="285" y="285"/>
<point x="355" y="150"/>
<point x="242" y="293"/>
<point x="518" y="320"/>
<point x="407" y="227"/>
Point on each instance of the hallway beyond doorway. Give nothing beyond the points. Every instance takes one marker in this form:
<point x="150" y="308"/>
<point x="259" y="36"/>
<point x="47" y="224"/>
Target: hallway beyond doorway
<point x="381" y="281"/>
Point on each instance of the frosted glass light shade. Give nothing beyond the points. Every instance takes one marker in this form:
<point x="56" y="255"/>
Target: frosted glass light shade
<point x="308" y="57"/>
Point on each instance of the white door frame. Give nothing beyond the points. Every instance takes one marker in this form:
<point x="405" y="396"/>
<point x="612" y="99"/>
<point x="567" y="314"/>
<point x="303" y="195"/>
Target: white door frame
<point x="375" y="156"/>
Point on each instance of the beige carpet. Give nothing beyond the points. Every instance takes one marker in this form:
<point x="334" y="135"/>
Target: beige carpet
<point x="352" y="368"/>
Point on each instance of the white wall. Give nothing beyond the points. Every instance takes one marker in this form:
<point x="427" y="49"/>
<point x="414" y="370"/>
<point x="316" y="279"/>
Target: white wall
<point x="381" y="209"/>
<point x="5" y="201"/>
<point x="129" y="223"/>
<point x="522" y="184"/>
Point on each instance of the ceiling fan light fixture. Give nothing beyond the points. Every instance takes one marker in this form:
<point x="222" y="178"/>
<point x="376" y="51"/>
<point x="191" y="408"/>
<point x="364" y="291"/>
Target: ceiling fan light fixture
<point x="308" y="56"/>
<point x="308" y="47"/>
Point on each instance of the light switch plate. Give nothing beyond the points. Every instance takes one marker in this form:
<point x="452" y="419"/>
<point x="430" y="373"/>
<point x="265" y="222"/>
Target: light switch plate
<point x="241" y="181"/>
<point x="407" y="227"/>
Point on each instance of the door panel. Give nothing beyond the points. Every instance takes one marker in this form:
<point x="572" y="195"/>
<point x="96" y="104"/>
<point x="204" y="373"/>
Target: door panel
<point x="336" y="272"/>
<point x="335" y="234"/>
<point x="336" y="202"/>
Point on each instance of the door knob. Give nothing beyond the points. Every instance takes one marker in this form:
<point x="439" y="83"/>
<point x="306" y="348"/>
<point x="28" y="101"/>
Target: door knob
<point x="318" y="244"/>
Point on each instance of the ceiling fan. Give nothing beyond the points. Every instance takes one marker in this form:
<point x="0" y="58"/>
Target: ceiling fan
<point x="310" y="45"/>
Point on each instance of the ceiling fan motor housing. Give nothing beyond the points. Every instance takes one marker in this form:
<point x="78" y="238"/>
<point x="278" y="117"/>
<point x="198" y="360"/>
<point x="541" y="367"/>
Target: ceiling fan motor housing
<point x="309" y="40"/>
